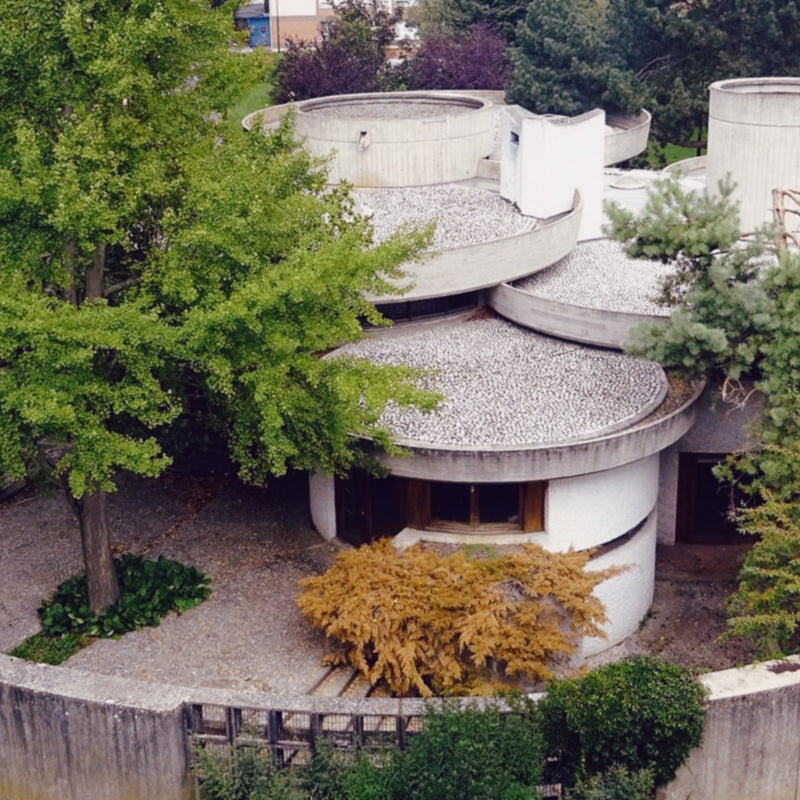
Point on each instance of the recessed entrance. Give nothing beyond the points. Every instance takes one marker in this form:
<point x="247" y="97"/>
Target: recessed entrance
<point x="705" y="506"/>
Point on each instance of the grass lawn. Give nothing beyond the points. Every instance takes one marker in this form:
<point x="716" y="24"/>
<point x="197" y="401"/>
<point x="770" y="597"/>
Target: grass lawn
<point x="258" y="97"/>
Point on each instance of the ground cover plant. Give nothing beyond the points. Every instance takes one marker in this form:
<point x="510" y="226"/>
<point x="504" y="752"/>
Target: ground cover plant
<point x="149" y="590"/>
<point x="422" y="622"/>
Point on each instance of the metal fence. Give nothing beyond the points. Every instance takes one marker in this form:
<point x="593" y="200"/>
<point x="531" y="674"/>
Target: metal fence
<point x="292" y="736"/>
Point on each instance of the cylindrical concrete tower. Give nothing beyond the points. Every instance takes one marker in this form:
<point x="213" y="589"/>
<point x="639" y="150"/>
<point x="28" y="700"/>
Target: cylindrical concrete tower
<point x="754" y="137"/>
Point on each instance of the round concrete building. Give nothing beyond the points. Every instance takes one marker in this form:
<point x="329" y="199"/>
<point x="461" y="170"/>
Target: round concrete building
<point x="753" y="130"/>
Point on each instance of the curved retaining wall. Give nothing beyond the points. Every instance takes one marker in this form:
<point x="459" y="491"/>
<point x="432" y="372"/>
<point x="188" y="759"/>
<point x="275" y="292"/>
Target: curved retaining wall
<point x="627" y="597"/>
<point x="575" y="323"/>
<point x="371" y="152"/>
<point x="466" y="269"/>
<point x="753" y="130"/>
<point x="68" y="735"/>
<point x="628" y="137"/>
<point x="695" y="167"/>
<point x="751" y="744"/>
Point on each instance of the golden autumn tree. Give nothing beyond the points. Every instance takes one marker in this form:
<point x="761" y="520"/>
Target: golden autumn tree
<point x="423" y="622"/>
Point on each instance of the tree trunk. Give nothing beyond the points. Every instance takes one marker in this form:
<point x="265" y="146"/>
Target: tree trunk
<point x="101" y="579"/>
<point x="94" y="273"/>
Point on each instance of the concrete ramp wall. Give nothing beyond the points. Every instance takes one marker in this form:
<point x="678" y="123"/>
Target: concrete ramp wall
<point x="751" y="746"/>
<point x="67" y="735"/>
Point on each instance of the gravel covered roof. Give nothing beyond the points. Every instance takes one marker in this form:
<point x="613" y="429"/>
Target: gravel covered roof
<point x="598" y="274"/>
<point x="506" y="386"/>
<point x="401" y="109"/>
<point x="464" y="215"/>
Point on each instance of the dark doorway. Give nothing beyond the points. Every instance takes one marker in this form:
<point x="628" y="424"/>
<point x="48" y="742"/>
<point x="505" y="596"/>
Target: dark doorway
<point x="705" y="506"/>
<point x="369" y="508"/>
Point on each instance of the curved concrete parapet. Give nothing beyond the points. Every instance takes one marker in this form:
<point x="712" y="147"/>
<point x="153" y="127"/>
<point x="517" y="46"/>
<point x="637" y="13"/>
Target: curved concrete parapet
<point x="695" y="167"/>
<point x="628" y="136"/>
<point x="398" y="138"/>
<point x="753" y="130"/>
<point x="70" y="735"/>
<point x="576" y="323"/>
<point x="751" y="741"/>
<point x="267" y="118"/>
<point x="478" y="266"/>
<point x="545" y="462"/>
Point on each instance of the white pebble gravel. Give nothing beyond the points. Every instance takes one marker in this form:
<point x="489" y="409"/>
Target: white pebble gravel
<point x="598" y="274"/>
<point x="464" y="215"/>
<point x="400" y="109"/>
<point x="506" y="386"/>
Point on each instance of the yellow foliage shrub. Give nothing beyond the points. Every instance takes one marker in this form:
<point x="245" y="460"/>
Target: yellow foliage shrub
<point x="418" y="620"/>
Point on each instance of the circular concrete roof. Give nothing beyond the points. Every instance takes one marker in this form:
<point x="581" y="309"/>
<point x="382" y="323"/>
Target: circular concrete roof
<point x="598" y="274"/>
<point x="505" y="386"/>
<point x="402" y="108"/>
<point x="464" y="215"/>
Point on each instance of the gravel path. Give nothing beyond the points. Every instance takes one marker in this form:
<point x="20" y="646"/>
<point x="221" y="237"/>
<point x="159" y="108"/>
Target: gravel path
<point x="253" y="544"/>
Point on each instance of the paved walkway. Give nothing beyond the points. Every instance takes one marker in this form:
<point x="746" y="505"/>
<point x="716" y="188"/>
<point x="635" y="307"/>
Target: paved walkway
<point x="255" y="545"/>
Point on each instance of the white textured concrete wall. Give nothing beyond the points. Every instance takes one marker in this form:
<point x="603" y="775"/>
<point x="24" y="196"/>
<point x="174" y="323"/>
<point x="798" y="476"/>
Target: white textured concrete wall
<point x="374" y="152"/>
<point x="627" y="138"/>
<point x="68" y="735"/>
<point x="322" y="498"/>
<point x="558" y="157"/>
<point x="753" y="134"/>
<point x="751" y="743"/>
<point x="627" y="597"/>
<point x="590" y="510"/>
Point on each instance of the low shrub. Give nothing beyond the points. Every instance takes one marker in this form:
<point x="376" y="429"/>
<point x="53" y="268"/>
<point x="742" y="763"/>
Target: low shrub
<point x="618" y="783"/>
<point x="423" y="622"/>
<point x="642" y="713"/>
<point x="245" y="773"/>
<point x="466" y="753"/>
<point x="149" y="590"/>
<point x="459" y="754"/>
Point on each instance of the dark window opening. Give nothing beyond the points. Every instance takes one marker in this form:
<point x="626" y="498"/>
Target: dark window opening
<point x="706" y="507"/>
<point x="409" y="310"/>
<point x="496" y="506"/>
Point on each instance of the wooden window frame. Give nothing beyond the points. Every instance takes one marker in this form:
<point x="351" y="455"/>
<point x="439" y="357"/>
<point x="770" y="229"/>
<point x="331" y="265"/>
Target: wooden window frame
<point x="531" y="506"/>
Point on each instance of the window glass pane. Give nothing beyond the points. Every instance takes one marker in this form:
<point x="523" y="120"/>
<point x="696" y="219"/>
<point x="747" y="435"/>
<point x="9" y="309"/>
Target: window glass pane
<point x="499" y="502"/>
<point x="450" y="501"/>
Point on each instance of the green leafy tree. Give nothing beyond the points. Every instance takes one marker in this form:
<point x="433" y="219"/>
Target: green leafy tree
<point x="265" y="271"/>
<point x="150" y="265"/>
<point x="99" y="102"/>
